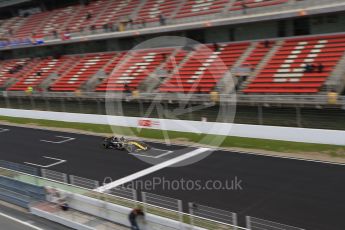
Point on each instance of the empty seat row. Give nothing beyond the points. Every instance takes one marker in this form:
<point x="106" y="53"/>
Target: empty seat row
<point x="98" y="13"/>
<point x="295" y="65"/>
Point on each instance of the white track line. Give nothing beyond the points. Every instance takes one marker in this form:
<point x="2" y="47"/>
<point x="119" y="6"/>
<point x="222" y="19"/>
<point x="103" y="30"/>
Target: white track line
<point x="59" y="142"/>
<point x="3" y="130"/>
<point x="166" y="152"/>
<point x="59" y="161"/>
<point x="152" y="169"/>
<point x="20" y="221"/>
<point x="195" y="146"/>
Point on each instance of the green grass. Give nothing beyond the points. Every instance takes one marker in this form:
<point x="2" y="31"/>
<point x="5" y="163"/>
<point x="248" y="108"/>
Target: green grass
<point x="239" y="142"/>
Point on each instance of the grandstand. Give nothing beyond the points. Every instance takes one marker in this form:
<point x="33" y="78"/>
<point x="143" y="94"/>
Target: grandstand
<point x="80" y="51"/>
<point x="280" y="67"/>
<point x="277" y="68"/>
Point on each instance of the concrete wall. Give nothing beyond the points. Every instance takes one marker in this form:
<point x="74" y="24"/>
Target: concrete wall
<point x="119" y="214"/>
<point x="319" y="136"/>
<point x="58" y="219"/>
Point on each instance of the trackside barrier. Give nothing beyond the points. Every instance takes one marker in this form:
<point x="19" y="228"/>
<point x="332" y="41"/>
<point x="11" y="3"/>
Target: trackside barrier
<point x="318" y="136"/>
<point x="253" y="223"/>
<point x="211" y="213"/>
<point x="160" y="218"/>
<point x="162" y="201"/>
<point x="83" y="182"/>
<point x="19" y="167"/>
<point x="53" y="175"/>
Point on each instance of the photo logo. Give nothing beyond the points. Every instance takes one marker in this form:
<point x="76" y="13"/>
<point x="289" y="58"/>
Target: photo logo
<point x="170" y="85"/>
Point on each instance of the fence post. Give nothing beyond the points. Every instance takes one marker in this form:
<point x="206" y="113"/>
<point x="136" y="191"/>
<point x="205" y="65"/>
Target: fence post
<point x="234" y="217"/>
<point x="7" y="101"/>
<point x="47" y="104"/>
<point x="191" y="212"/>
<point x="20" y="104"/>
<point x="298" y="116"/>
<point x="63" y="107"/>
<point x="99" y="110"/>
<point x="71" y="179"/>
<point x="135" y="195"/>
<point x="81" y="107"/>
<point x="248" y="226"/>
<point x="141" y="108"/>
<point x="180" y="209"/>
<point x="143" y="197"/>
<point x="32" y="102"/>
<point x="260" y="115"/>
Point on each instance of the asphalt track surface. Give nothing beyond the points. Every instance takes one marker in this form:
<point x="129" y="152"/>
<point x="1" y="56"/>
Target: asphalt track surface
<point x="300" y="193"/>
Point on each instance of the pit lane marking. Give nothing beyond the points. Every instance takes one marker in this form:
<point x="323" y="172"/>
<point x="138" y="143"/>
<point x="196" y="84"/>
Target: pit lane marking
<point x="3" y="130"/>
<point x="59" y="161"/>
<point x="166" y="152"/>
<point x="66" y="139"/>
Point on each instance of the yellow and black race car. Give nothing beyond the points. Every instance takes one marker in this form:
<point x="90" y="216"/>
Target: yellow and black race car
<point x="121" y="143"/>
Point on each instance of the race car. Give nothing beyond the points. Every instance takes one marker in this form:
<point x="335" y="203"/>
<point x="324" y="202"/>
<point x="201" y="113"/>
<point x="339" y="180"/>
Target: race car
<point x="120" y="143"/>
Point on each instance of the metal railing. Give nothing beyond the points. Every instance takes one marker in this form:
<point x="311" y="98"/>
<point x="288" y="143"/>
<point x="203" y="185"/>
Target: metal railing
<point x="198" y="98"/>
<point x="54" y="175"/>
<point x="253" y="223"/>
<point x="152" y="209"/>
<point x="309" y="111"/>
<point x="83" y="182"/>
<point x="19" y="167"/>
<point x="199" y="215"/>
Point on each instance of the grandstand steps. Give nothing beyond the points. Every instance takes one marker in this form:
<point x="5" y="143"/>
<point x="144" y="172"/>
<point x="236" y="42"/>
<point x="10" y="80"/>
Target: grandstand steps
<point x="225" y="85"/>
<point x="262" y="64"/>
<point x="48" y="80"/>
<point x="135" y="12"/>
<point x="66" y="68"/>
<point x="153" y="81"/>
<point x="93" y="81"/>
<point x="17" y="25"/>
<point x="9" y="82"/>
<point x="177" y="67"/>
<point x="13" y="24"/>
<point x="228" y="7"/>
<point x="42" y="24"/>
<point x="62" y="70"/>
<point x="178" y="8"/>
<point x="66" y="24"/>
<point x="245" y="55"/>
<point x="100" y="13"/>
<point x="336" y="81"/>
<point x="97" y="78"/>
<point x="28" y="69"/>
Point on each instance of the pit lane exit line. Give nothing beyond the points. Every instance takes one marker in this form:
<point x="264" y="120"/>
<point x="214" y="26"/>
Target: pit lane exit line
<point x="152" y="169"/>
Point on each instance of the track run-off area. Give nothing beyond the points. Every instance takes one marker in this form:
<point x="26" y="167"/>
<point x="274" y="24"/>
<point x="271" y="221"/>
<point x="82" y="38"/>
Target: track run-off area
<point x="300" y="193"/>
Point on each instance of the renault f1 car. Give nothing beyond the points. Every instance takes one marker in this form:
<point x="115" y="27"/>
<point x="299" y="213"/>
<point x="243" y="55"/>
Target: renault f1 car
<point x="121" y="143"/>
